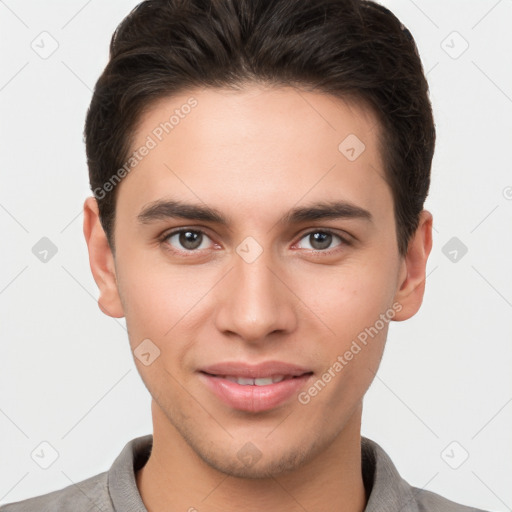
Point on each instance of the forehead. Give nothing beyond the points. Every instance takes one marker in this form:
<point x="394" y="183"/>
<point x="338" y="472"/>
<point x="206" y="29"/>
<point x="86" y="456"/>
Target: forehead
<point x="245" y="148"/>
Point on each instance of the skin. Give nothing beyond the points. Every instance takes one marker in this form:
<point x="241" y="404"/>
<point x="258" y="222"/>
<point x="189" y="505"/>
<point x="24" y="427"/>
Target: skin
<point x="254" y="155"/>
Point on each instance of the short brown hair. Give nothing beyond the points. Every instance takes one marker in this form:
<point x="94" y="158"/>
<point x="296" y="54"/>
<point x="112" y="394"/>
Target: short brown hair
<point x="347" y="48"/>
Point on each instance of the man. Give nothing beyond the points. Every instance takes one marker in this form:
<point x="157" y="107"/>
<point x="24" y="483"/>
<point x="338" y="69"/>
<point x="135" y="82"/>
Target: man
<point x="259" y="171"/>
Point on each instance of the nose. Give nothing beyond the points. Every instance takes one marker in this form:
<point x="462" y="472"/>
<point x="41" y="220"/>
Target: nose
<point x="255" y="301"/>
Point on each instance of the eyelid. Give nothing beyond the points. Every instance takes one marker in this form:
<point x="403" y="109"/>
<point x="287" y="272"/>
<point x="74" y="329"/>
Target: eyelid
<point x="176" y="231"/>
<point x="345" y="239"/>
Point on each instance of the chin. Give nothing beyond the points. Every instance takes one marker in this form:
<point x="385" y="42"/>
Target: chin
<point x="263" y="467"/>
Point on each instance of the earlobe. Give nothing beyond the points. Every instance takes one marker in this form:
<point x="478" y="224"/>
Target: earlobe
<point x="101" y="261"/>
<point x="413" y="271"/>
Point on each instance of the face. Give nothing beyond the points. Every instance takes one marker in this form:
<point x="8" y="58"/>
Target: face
<point x="256" y="254"/>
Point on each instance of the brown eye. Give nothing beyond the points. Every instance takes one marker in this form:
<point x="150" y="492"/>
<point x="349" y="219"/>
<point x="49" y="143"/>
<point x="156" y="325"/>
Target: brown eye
<point x="187" y="240"/>
<point x="322" y="240"/>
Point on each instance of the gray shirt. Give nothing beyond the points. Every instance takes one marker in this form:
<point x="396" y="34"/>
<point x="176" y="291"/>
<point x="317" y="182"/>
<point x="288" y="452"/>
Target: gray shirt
<point x="116" y="490"/>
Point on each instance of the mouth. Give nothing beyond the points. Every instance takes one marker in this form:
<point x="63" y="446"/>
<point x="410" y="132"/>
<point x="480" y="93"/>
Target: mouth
<point x="261" y="381"/>
<point x="254" y="388"/>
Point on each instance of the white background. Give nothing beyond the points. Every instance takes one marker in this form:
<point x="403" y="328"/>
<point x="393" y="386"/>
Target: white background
<point x="66" y="373"/>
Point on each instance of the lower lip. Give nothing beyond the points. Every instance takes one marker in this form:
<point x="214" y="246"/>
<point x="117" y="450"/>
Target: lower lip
<point x="254" y="398"/>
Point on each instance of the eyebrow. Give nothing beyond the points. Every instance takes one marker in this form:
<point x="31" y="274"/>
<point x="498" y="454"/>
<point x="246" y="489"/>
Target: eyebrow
<point x="167" y="209"/>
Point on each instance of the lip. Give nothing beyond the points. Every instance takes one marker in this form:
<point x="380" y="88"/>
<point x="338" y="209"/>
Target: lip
<point x="253" y="398"/>
<point x="255" y="371"/>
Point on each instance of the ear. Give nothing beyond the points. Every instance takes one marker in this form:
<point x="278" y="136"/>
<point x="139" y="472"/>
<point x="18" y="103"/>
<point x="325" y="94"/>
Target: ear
<point x="412" y="271"/>
<point x="101" y="261"/>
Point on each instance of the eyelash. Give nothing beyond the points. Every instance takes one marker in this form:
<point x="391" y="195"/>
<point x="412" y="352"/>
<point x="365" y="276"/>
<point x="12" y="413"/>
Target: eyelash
<point x="163" y="239"/>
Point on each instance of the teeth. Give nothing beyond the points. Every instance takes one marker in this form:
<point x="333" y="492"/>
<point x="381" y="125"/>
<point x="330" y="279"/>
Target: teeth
<point x="245" y="382"/>
<point x="263" y="381"/>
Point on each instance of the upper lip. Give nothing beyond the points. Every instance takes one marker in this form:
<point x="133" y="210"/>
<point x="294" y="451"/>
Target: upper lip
<point x="255" y="371"/>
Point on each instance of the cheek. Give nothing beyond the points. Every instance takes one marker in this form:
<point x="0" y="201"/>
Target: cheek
<point x="350" y="302"/>
<point x="348" y="298"/>
<point x="165" y="304"/>
<point x="146" y="306"/>
<point x="156" y="295"/>
<point x="157" y="307"/>
<point x="359" y="317"/>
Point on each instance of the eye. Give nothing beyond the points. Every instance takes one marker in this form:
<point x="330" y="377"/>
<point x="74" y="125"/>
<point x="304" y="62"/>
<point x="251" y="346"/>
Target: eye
<point x="187" y="240"/>
<point x="321" y="240"/>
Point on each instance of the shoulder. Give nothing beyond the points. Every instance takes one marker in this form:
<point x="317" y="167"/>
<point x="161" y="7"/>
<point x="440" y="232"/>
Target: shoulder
<point x="389" y="491"/>
<point x="115" y="489"/>
<point x="85" y="496"/>
<point x="428" y="501"/>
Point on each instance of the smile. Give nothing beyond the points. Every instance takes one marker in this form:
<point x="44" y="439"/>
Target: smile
<point x="254" y="388"/>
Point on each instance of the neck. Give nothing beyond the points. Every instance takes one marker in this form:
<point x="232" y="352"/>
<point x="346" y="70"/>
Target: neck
<point x="176" y="479"/>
